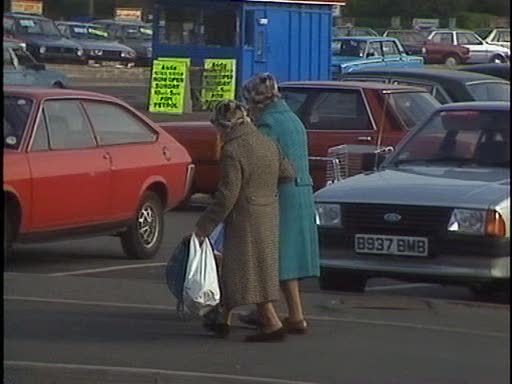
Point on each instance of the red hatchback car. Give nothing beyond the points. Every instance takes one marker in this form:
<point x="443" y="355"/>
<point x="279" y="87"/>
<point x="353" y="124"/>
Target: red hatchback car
<point x="82" y="163"/>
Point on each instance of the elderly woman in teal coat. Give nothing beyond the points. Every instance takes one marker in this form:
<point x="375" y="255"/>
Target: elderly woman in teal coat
<point x="298" y="237"/>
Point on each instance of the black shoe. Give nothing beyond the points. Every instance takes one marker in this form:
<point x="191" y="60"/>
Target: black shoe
<point x="267" y="337"/>
<point x="219" y="329"/>
<point x="252" y="319"/>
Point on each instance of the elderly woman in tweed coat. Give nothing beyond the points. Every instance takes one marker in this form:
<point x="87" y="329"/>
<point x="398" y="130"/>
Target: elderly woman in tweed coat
<point x="251" y="167"/>
<point x="298" y="239"/>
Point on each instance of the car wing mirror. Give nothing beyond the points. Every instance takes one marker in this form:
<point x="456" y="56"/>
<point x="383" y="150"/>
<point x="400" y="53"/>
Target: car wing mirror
<point x="371" y="161"/>
<point x="370" y="54"/>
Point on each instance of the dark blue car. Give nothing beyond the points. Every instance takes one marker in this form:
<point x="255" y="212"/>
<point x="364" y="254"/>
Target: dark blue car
<point x="96" y="42"/>
<point x="42" y="38"/>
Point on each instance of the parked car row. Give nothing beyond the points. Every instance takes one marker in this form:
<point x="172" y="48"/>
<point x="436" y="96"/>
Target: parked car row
<point x="442" y="46"/>
<point x="101" y="40"/>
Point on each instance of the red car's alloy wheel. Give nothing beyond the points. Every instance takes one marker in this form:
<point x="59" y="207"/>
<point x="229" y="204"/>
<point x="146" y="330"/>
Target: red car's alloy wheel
<point x="148" y="224"/>
<point x="143" y="237"/>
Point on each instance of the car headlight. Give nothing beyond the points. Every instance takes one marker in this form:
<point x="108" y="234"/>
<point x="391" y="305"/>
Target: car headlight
<point x="80" y="52"/>
<point x="127" y="54"/>
<point x="97" y="52"/>
<point x="328" y="215"/>
<point x="423" y="51"/>
<point x="476" y="222"/>
<point x="42" y="49"/>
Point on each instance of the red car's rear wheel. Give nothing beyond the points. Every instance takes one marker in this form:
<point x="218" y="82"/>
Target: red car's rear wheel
<point x="143" y="237"/>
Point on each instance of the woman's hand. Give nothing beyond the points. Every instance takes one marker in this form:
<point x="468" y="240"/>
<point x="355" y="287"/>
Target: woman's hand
<point x="200" y="235"/>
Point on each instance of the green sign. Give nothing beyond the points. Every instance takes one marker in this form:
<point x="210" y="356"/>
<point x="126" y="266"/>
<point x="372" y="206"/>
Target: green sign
<point x="219" y="81"/>
<point x="168" y="82"/>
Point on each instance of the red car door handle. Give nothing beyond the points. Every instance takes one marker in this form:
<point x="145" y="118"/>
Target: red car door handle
<point x="364" y="138"/>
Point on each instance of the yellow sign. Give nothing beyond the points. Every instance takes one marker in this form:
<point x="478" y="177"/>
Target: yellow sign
<point x="168" y="82"/>
<point x="128" y="14"/>
<point x="27" y="6"/>
<point x="219" y="81"/>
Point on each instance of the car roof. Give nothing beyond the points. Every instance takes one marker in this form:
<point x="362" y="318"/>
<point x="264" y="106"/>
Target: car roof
<point x="426" y="73"/>
<point x="365" y="38"/>
<point x="402" y="30"/>
<point x="451" y="30"/>
<point x="347" y="84"/>
<point x="75" y="23"/>
<point x="42" y="92"/>
<point x="26" y="15"/>
<point x="477" y="105"/>
<point x="123" y="22"/>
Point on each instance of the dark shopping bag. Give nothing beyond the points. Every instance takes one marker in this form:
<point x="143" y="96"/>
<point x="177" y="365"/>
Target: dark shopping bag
<point x="176" y="271"/>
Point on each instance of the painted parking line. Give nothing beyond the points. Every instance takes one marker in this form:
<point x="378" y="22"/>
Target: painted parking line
<point x="133" y="266"/>
<point x="398" y="286"/>
<point x="149" y="371"/>
<point x="106" y="269"/>
<point x="318" y="318"/>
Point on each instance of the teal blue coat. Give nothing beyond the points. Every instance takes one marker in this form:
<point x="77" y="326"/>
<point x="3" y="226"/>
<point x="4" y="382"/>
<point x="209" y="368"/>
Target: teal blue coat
<point x="298" y="238"/>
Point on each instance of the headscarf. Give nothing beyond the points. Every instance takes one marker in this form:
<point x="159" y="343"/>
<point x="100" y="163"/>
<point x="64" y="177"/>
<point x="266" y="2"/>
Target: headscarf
<point x="228" y="114"/>
<point x="260" y="90"/>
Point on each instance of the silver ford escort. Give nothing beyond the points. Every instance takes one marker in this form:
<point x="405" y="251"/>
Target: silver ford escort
<point x="435" y="210"/>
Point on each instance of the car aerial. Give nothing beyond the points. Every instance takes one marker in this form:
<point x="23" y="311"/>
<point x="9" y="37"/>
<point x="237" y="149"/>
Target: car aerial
<point x="501" y="70"/>
<point x="333" y="113"/>
<point x="96" y="43"/>
<point x="42" y="38"/>
<point x="415" y="43"/>
<point x="479" y="50"/>
<point x="136" y="35"/>
<point x="354" y="53"/>
<point x="436" y="210"/>
<point x="78" y="163"/>
<point x="353" y="31"/>
<point x="20" y="68"/>
<point x="497" y="36"/>
<point x="446" y="85"/>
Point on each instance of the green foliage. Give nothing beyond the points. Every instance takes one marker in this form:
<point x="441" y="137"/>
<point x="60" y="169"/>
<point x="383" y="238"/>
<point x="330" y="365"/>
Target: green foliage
<point x="473" y="20"/>
<point x="424" y="9"/>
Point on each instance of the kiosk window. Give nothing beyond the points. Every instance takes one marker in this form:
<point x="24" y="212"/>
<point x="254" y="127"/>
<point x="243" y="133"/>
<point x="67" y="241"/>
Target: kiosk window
<point x="215" y="27"/>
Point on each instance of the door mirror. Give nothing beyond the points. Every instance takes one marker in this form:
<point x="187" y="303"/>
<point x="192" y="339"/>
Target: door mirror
<point x="370" y="54"/>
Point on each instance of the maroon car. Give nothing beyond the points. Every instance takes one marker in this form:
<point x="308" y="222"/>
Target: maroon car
<point x="434" y="53"/>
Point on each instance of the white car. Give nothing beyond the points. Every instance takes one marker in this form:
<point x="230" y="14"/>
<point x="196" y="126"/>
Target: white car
<point x="436" y="210"/>
<point x="479" y="50"/>
<point x="497" y="36"/>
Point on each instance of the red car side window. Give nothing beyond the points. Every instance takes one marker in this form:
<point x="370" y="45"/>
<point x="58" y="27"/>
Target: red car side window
<point x="115" y="125"/>
<point x="40" y="142"/>
<point x="67" y="126"/>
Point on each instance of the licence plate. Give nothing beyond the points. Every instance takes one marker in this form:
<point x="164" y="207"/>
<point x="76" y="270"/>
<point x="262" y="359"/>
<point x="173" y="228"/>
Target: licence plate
<point x="391" y="245"/>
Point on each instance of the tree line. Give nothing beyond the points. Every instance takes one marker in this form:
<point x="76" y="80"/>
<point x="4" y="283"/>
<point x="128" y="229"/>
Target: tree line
<point x="425" y="9"/>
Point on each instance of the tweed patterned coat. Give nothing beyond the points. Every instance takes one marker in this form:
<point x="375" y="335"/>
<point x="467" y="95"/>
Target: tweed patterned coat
<point x="251" y="167"/>
<point x="298" y="241"/>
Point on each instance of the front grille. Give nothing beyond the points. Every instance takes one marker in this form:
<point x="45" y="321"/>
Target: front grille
<point x="415" y="220"/>
<point x="66" y="51"/>
<point x="115" y="54"/>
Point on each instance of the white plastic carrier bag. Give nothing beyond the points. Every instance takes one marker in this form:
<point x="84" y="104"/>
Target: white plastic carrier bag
<point x="201" y="291"/>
